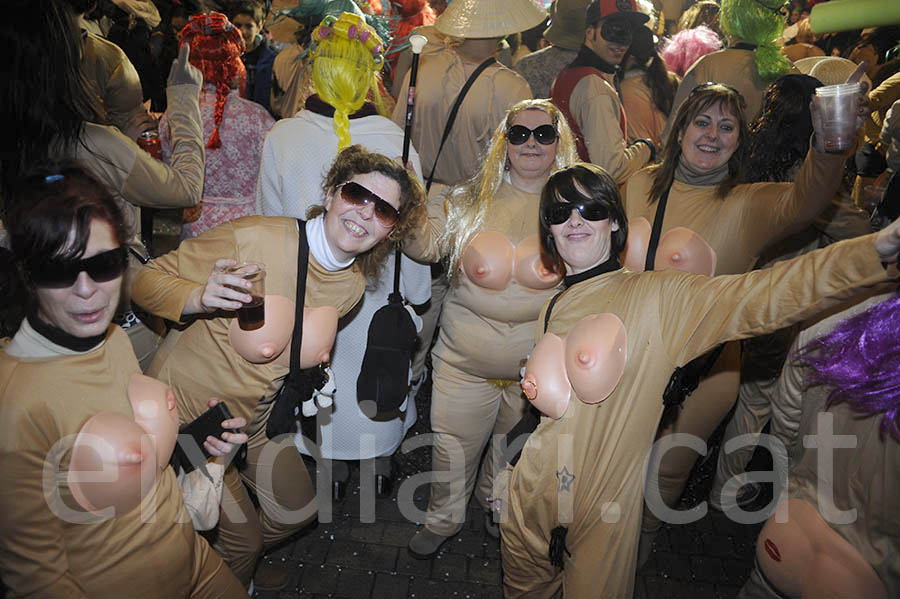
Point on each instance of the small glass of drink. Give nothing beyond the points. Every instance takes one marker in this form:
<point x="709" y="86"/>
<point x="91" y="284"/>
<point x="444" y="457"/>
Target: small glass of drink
<point x="253" y="314"/>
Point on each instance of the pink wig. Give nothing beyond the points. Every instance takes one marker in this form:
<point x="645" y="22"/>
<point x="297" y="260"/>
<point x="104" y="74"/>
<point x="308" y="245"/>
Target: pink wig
<point x="686" y="47"/>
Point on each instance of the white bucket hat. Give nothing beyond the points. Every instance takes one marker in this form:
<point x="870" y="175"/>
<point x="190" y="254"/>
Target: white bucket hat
<point x="489" y="18"/>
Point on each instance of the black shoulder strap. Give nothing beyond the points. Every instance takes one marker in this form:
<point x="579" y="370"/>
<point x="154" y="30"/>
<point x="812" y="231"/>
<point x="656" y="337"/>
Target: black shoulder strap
<point x="396" y="293"/>
<point x="302" y="267"/>
<point x="657" y="229"/>
<point x="452" y="116"/>
<point x="550" y="305"/>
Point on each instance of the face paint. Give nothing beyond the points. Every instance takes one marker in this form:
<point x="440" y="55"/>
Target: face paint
<point x="772" y="550"/>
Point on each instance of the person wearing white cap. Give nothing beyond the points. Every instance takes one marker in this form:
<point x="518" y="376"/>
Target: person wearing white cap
<point x="586" y="92"/>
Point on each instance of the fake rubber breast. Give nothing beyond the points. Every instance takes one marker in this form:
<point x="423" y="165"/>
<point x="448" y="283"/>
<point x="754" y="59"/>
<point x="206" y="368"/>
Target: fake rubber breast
<point x="491" y="261"/>
<point x="590" y="361"/>
<point x="113" y="465"/>
<point x="271" y="342"/>
<point x="153" y="403"/>
<point x="678" y="249"/>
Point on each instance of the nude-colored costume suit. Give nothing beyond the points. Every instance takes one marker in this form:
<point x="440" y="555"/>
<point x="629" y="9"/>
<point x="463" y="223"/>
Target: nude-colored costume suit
<point x="199" y="363"/>
<point x="486" y="333"/>
<point x="152" y="551"/>
<point x="737" y="228"/>
<point x="585" y="471"/>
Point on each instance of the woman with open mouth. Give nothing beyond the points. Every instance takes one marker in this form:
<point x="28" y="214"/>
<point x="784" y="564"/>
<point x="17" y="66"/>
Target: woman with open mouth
<point x="714" y="223"/>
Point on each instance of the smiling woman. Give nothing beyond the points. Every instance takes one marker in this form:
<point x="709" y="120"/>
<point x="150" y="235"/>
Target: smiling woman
<point x="370" y="202"/>
<point x="486" y="232"/>
<point x="605" y="349"/>
<point x="715" y="223"/>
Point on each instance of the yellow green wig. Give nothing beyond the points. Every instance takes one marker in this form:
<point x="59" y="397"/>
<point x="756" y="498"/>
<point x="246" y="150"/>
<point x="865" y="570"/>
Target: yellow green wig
<point x="757" y="22"/>
<point x="347" y="56"/>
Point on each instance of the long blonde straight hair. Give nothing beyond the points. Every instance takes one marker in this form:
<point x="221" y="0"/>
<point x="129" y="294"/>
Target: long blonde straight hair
<point x="467" y="205"/>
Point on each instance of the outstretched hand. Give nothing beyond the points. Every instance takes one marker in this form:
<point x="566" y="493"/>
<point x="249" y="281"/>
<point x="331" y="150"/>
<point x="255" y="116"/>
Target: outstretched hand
<point x="221" y="291"/>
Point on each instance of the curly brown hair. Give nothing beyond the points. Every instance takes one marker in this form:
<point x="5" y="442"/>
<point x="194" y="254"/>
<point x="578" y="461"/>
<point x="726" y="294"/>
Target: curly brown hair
<point x="356" y="160"/>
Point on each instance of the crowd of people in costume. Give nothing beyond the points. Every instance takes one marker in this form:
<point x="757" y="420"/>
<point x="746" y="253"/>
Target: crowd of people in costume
<point x="598" y="231"/>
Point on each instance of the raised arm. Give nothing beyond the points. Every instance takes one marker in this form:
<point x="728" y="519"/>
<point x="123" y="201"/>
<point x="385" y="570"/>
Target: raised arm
<point x="425" y="242"/>
<point x="151" y="182"/>
<point x="599" y="115"/>
<point x="697" y="313"/>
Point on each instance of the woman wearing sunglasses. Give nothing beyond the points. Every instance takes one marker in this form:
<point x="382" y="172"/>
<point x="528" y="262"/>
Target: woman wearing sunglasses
<point x="606" y="347"/>
<point x="715" y="223"/>
<point x="370" y="203"/>
<point x="346" y="57"/>
<point x="487" y="234"/>
<point x="70" y="380"/>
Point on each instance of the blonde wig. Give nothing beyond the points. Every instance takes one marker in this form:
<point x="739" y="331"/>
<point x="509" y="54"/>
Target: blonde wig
<point x="347" y="56"/>
<point x="467" y="205"/>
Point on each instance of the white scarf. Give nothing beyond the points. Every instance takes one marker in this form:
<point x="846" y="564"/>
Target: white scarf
<point x="318" y="245"/>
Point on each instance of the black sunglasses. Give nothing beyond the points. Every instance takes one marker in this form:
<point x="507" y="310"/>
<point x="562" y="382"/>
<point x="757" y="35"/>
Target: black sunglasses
<point x="357" y="195"/>
<point x="617" y="31"/>
<point x="102" y="267"/>
<point x="519" y="134"/>
<point x="558" y="213"/>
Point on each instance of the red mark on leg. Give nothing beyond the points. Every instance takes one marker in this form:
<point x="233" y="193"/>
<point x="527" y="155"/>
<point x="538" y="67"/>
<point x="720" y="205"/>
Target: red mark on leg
<point x="772" y="550"/>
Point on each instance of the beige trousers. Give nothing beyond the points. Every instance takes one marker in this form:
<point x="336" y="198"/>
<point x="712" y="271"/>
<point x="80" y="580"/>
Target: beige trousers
<point x="211" y="578"/>
<point x="430" y="319"/>
<point x="467" y="412"/>
<point x="276" y="475"/>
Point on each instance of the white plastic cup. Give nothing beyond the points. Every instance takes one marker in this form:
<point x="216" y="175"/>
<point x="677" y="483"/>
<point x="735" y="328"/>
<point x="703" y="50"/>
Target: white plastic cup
<point x="837" y="105"/>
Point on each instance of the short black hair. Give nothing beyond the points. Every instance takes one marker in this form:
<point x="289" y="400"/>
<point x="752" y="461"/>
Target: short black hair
<point x="48" y="203"/>
<point x="601" y="189"/>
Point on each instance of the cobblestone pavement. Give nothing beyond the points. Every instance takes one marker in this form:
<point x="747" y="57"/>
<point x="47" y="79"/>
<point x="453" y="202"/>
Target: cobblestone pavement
<point x="361" y="552"/>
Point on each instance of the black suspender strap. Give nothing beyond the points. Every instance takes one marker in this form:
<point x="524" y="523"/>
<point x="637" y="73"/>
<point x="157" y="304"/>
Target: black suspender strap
<point x="452" y="116"/>
<point x="657" y="230"/>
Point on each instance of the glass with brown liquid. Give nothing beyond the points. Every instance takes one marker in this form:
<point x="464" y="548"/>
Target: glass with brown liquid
<point x="253" y="314"/>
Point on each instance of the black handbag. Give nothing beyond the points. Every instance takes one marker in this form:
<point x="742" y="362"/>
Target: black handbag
<point x="384" y="376"/>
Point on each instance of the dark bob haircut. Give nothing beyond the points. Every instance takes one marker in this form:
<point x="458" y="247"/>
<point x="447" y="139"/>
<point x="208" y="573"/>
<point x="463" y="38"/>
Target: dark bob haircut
<point x="50" y="211"/>
<point x="566" y="185"/>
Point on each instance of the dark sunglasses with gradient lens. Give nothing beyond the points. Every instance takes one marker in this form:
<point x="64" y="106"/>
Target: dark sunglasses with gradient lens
<point x="355" y="194"/>
<point x="519" y="134"/>
<point x="557" y="214"/>
<point x="58" y="274"/>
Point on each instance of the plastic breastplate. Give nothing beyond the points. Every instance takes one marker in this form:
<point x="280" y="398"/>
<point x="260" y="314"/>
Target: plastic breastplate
<point x="590" y="361"/>
<point x="678" y="249"/>
<point x="271" y="342"/>
<point x="116" y="460"/>
<point x="491" y="261"/>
